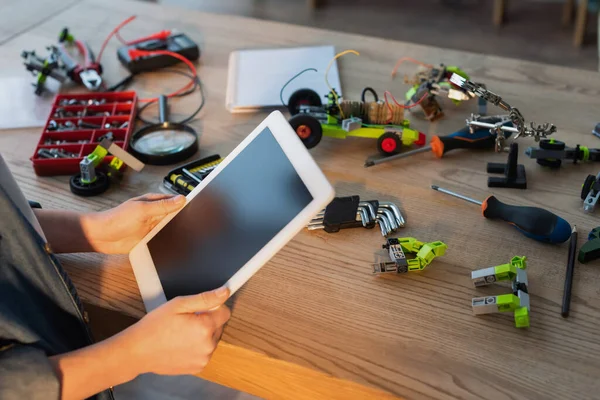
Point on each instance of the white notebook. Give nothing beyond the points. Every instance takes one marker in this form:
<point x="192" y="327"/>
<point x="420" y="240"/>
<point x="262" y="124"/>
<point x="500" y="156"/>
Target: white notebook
<point x="256" y="76"/>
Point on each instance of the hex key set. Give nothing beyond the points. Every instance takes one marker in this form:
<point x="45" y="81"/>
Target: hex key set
<point x="351" y="212"/>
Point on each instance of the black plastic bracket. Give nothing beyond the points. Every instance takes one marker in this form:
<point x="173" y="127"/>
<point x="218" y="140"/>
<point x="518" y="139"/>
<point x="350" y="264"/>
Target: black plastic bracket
<point x="514" y="174"/>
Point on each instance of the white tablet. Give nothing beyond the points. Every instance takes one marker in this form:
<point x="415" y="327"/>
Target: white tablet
<point x="245" y="211"/>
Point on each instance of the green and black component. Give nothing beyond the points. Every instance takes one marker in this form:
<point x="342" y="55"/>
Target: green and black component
<point x="551" y="153"/>
<point x="590" y="251"/>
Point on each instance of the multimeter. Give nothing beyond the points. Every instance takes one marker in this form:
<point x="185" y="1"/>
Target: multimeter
<point x="178" y="43"/>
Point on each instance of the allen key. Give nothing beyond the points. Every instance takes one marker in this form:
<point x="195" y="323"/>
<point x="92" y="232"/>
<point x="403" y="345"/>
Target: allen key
<point x="350" y="212"/>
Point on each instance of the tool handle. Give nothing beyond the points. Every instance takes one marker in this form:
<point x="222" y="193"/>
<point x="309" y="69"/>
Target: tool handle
<point x="163" y="109"/>
<point x="535" y="223"/>
<point x="462" y="139"/>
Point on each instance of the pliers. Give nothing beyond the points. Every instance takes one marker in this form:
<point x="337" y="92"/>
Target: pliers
<point x="87" y="74"/>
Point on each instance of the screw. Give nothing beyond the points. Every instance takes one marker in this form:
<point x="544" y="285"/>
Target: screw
<point x="72" y="102"/>
<point x="88" y="125"/>
<point x="59" y="113"/>
<point x="52" y="125"/>
<point x="64" y="102"/>
<point x="124" y="125"/>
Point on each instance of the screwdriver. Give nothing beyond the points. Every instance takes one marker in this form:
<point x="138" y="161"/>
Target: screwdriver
<point x="533" y="222"/>
<point x="480" y="138"/>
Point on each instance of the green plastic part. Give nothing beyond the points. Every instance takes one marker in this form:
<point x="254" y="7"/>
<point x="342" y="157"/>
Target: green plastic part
<point x="425" y="252"/>
<point x="522" y="317"/>
<point x="98" y="155"/>
<point x="590" y="251"/>
<point x="508" y="272"/>
<point x="507" y="302"/>
<point x="411" y="92"/>
<point x="456" y="70"/>
<point x="586" y="153"/>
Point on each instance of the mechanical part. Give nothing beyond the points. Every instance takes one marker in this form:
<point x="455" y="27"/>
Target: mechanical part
<point x="517" y="301"/>
<point x="88" y="125"/>
<point x="552" y="152"/>
<point x="389" y="144"/>
<point x="535" y="223"/>
<point x="100" y="185"/>
<point x="397" y="214"/>
<point x="520" y="128"/>
<point x="306" y="97"/>
<point x="350" y="212"/>
<point x="308" y="129"/>
<point x="596" y="130"/>
<point x="590" y="251"/>
<point x="350" y="124"/>
<point x="398" y="263"/>
<point x="514" y="173"/>
<point x="466" y="138"/>
<point x="91" y="181"/>
<point x="590" y="193"/>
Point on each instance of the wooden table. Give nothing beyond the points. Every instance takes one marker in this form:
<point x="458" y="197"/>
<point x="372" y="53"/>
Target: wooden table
<point x="314" y="322"/>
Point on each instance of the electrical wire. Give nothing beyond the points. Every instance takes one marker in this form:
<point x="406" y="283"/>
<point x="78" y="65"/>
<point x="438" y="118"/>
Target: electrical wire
<point x="197" y="84"/>
<point x="111" y="34"/>
<point x="385" y="96"/>
<point x="288" y="82"/>
<point x="403" y="59"/>
<point x="335" y="96"/>
<point x="177" y="56"/>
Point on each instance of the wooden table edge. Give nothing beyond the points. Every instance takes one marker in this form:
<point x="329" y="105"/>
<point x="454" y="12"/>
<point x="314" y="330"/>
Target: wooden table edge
<point x="237" y="367"/>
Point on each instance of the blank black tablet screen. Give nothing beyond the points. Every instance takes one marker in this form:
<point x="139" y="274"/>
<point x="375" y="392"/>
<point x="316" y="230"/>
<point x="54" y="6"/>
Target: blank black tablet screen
<point x="230" y="220"/>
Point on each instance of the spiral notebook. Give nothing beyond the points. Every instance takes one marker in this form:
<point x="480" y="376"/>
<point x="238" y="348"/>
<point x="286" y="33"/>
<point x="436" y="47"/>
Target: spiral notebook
<point x="256" y="76"/>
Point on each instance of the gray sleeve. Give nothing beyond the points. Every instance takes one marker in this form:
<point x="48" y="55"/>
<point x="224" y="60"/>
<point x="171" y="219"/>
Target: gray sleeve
<point x="26" y="373"/>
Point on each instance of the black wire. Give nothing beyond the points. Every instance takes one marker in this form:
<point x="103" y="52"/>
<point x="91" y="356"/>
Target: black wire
<point x="197" y="84"/>
<point x="124" y="82"/>
<point x="365" y="91"/>
<point x="291" y="79"/>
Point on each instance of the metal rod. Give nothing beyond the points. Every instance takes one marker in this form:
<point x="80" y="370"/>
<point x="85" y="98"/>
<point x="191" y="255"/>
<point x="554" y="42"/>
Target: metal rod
<point x="190" y="175"/>
<point x="460" y="196"/>
<point x="370" y="163"/>
<point x="493" y="126"/>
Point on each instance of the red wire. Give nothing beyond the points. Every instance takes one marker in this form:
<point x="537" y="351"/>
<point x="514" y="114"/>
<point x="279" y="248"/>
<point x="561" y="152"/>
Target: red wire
<point x="120" y="38"/>
<point x="400" y="61"/>
<point x="141" y="53"/>
<point x="111" y="34"/>
<point x="179" y="57"/>
<point x="385" y="94"/>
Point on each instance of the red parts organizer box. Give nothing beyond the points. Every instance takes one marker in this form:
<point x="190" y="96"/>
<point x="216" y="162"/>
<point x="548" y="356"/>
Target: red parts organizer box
<point x="99" y="109"/>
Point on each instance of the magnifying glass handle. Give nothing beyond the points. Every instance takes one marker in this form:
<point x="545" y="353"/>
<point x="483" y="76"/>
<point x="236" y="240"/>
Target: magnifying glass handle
<point x="163" y="109"/>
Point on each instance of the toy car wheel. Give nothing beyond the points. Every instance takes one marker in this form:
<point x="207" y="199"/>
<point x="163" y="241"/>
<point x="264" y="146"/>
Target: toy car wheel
<point x="550" y="144"/>
<point x="99" y="186"/>
<point x="587" y="186"/>
<point x="303" y="97"/>
<point x="389" y="144"/>
<point x="308" y="129"/>
<point x="549" y="162"/>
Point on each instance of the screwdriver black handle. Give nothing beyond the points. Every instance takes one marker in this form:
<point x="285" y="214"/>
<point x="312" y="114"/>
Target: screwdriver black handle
<point x="535" y="223"/>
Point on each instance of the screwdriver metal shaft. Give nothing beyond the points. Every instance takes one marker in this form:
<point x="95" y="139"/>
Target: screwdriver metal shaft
<point x="460" y="196"/>
<point x="371" y="163"/>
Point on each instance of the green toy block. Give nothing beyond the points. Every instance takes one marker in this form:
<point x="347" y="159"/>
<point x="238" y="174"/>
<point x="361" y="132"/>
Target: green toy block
<point x="522" y="317"/>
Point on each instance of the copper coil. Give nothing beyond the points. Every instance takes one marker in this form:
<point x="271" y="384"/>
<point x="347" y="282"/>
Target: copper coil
<point x="379" y="113"/>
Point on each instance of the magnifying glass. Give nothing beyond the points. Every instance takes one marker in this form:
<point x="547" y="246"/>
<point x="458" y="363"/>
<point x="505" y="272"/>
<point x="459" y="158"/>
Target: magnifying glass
<point x="166" y="142"/>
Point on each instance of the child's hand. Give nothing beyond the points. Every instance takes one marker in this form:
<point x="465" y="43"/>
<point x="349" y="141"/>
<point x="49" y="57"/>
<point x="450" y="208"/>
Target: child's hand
<point x="118" y="230"/>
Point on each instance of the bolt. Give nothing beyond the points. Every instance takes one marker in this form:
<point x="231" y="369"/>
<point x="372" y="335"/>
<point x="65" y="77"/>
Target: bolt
<point x="72" y="102"/>
<point x="88" y="125"/>
<point x="64" y="102"/>
<point x="59" y="113"/>
<point x="124" y="125"/>
<point x="52" y="125"/>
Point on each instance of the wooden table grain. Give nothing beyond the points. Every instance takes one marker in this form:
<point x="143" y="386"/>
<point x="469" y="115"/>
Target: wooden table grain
<point x="314" y="323"/>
